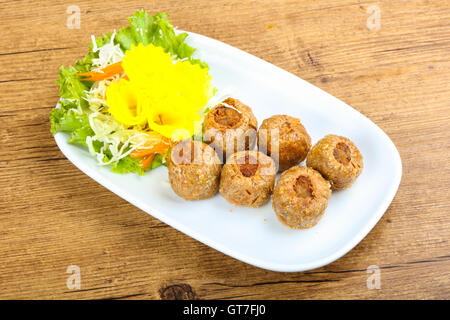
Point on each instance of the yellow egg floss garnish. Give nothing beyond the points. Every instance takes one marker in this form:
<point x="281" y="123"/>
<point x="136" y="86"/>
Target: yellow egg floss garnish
<point x="166" y="95"/>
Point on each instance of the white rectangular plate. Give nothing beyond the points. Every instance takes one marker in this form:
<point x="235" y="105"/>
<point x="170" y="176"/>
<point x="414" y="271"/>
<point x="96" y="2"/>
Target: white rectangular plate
<point x="254" y="235"/>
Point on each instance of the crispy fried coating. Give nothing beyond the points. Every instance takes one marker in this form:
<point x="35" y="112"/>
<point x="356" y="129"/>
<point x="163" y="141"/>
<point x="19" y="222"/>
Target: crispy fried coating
<point x="285" y="139"/>
<point x="247" y="178"/>
<point x="337" y="159"/>
<point x="194" y="170"/>
<point x="230" y="127"/>
<point x="300" y="197"/>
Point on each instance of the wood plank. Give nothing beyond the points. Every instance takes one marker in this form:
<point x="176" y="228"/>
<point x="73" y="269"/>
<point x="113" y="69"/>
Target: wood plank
<point x="52" y="216"/>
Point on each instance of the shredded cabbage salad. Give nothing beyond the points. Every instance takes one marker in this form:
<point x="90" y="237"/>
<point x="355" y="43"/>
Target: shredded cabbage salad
<point x="126" y="97"/>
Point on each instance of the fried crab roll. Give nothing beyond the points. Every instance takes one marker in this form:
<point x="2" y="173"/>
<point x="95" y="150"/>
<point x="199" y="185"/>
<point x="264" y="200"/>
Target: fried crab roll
<point x="337" y="159"/>
<point x="247" y="178"/>
<point x="194" y="170"/>
<point x="300" y="197"/>
<point x="285" y="139"/>
<point x="230" y="127"/>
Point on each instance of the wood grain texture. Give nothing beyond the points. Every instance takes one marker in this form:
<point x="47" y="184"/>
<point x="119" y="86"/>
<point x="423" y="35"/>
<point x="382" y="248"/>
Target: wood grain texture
<point x="52" y="215"/>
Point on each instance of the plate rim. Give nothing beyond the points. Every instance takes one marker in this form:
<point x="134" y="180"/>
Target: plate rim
<point x="63" y="145"/>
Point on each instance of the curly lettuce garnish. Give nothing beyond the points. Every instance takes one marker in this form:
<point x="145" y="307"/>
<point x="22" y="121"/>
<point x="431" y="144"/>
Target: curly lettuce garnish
<point x="83" y="111"/>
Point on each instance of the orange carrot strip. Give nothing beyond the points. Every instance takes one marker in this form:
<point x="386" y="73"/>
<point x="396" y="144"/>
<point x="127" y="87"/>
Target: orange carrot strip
<point x="147" y="161"/>
<point x="160" y="148"/>
<point x="112" y="68"/>
<point x="102" y="74"/>
<point x="144" y="153"/>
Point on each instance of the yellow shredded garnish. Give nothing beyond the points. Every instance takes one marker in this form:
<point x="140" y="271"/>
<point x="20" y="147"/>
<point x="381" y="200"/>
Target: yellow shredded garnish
<point x="166" y="95"/>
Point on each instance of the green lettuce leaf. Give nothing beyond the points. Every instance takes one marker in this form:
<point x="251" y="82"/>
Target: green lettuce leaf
<point x="66" y="119"/>
<point x="79" y="135"/>
<point x="57" y="115"/>
<point x="157" y="161"/>
<point x="157" y="30"/>
<point x="70" y="85"/>
<point x="127" y="165"/>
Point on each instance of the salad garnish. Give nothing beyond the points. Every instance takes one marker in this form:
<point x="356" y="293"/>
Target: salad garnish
<point x="133" y="93"/>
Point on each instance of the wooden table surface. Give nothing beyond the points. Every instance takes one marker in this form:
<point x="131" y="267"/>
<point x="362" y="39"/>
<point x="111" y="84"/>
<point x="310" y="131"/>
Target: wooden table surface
<point x="53" y="216"/>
